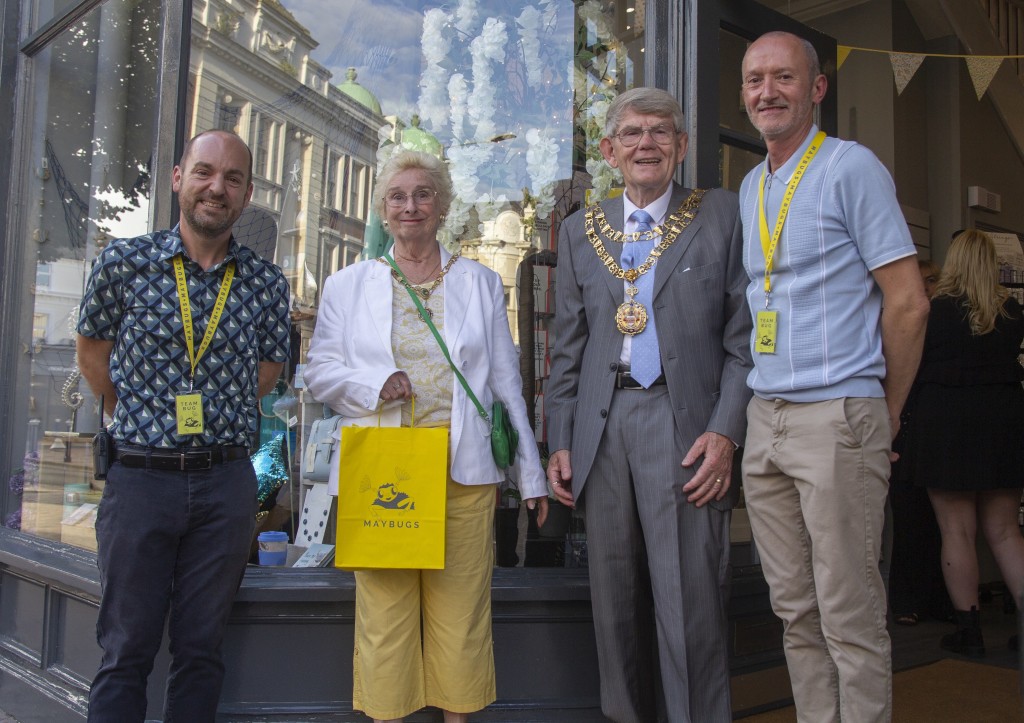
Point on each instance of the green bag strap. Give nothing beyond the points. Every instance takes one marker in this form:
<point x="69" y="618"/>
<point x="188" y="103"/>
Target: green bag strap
<point x="444" y="347"/>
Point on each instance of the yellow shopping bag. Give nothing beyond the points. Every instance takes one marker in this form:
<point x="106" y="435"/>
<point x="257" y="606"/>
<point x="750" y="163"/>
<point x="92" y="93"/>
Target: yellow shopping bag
<point x="391" y="498"/>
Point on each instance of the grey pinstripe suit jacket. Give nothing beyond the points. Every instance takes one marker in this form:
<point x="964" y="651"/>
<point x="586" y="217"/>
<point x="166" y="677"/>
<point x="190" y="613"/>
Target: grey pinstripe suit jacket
<point x="703" y="327"/>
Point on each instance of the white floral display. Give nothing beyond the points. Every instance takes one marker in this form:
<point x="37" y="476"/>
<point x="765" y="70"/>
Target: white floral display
<point x="487" y="48"/>
<point x="597" y="96"/>
<point x="529" y="22"/>
<point x="466" y="48"/>
<point x="458" y="93"/>
<point x="543" y="173"/>
<point x="502" y="90"/>
<point x="465" y="15"/>
<point x="435" y="45"/>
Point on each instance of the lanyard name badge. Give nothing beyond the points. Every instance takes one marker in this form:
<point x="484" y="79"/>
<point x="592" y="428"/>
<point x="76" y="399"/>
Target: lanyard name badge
<point x="188" y="408"/>
<point x="767" y="320"/>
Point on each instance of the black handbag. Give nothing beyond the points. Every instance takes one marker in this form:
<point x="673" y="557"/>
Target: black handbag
<point x="504" y="437"/>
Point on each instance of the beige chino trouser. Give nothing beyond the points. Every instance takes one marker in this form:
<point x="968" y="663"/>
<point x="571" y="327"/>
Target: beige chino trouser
<point x="815" y="477"/>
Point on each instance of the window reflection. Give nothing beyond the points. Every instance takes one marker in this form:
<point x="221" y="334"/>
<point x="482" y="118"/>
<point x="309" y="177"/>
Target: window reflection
<point x="90" y="139"/>
<point x="512" y="93"/>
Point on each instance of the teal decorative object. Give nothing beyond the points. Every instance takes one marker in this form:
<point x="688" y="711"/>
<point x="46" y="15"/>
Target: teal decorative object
<point x="271" y="467"/>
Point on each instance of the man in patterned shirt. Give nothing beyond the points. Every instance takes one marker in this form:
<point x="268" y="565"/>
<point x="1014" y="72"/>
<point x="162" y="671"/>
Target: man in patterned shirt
<point x="181" y="332"/>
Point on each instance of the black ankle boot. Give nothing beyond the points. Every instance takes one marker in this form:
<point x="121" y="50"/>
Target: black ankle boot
<point x="967" y="639"/>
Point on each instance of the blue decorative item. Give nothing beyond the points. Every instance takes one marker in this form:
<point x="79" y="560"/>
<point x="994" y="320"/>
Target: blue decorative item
<point x="271" y="467"/>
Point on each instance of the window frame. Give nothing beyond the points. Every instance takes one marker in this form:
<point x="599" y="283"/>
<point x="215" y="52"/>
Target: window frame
<point x="17" y="72"/>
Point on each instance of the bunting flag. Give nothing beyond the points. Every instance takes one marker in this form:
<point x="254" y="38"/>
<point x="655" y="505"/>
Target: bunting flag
<point x="982" y="68"/>
<point x="842" y="52"/>
<point x="904" y="65"/>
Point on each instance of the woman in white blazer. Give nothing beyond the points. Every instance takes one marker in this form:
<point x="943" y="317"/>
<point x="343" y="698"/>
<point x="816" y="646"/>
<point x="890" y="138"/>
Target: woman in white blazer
<point x="371" y="354"/>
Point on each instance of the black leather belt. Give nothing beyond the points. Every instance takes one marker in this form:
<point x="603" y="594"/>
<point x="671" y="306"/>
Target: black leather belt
<point x="624" y="381"/>
<point x="191" y="460"/>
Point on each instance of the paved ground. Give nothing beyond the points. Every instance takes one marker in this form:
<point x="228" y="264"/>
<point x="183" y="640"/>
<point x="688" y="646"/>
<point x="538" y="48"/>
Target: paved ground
<point x="5" y="718"/>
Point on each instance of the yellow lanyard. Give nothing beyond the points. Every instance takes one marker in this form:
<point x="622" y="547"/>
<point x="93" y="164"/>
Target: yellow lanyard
<point x="769" y="245"/>
<point x="186" y="311"/>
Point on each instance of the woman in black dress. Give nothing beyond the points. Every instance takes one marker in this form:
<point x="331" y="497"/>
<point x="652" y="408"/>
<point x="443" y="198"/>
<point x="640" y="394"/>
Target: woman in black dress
<point x="967" y="440"/>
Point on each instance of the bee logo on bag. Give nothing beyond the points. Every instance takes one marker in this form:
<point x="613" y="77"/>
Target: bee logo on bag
<point x="390" y="504"/>
<point x="391" y="498"/>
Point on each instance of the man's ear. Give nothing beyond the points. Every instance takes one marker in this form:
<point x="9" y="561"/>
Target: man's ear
<point x="607" y="150"/>
<point x="819" y="89"/>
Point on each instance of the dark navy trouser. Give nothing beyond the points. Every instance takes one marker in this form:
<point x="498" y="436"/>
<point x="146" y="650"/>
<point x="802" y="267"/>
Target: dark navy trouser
<point x="173" y="542"/>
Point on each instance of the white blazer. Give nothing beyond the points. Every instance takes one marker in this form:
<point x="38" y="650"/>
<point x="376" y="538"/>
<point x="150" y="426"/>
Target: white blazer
<point x="350" y="358"/>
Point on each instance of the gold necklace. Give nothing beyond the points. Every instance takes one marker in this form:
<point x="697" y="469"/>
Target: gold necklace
<point x="428" y="277"/>
<point x="631" y="316"/>
<point x="621" y="236"/>
<point x="423" y="293"/>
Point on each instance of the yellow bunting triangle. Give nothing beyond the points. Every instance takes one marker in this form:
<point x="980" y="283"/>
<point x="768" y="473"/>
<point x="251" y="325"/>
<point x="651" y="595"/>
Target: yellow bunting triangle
<point x="904" y="65"/>
<point x="982" y="70"/>
<point x="842" y="51"/>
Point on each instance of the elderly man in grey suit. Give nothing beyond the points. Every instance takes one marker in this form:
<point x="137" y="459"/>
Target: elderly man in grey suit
<point x="646" y="403"/>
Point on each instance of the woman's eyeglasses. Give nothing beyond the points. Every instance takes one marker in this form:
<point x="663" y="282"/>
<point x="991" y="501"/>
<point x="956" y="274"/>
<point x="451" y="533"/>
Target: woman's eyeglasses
<point x="421" y="197"/>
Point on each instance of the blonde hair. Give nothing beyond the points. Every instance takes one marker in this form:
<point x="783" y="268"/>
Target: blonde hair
<point x="971" y="273"/>
<point x="436" y="170"/>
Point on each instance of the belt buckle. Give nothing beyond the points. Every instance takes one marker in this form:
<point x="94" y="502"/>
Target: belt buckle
<point x="199" y="461"/>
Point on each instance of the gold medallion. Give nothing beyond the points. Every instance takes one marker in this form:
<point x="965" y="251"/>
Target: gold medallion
<point x="631" y="317"/>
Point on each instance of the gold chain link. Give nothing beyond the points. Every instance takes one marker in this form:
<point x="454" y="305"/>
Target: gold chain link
<point x="424" y="293"/>
<point x="676" y="224"/>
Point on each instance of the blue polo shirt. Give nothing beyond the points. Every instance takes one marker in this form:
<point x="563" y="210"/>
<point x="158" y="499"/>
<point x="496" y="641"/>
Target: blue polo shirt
<point x="843" y="223"/>
<point x="132" y="300"/>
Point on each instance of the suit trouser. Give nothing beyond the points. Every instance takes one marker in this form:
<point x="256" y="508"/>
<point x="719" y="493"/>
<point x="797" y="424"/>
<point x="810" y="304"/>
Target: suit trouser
<point x="659" y="571"/>
<point x="815" y="477"/>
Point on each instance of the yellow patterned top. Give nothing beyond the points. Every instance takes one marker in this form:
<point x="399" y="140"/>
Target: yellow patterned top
<point x="418" y="355"/>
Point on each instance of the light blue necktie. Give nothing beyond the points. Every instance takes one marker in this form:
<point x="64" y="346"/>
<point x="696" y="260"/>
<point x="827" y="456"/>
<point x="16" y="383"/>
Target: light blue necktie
<point x="645" y="359"/>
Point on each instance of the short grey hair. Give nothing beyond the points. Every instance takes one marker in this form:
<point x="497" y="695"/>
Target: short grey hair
<point x="645" y="101"/>
<point x="435" y="168"/>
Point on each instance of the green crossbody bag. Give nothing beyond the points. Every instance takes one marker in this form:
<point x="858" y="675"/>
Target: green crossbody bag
<point x="504" y="437"/>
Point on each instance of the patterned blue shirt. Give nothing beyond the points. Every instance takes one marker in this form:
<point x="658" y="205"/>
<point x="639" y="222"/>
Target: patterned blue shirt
<point x="132" y="300"/>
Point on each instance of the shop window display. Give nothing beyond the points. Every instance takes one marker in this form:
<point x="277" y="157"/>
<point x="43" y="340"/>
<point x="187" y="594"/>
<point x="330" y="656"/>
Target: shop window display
<point x="90" y="139"/>
<point x="511" y="93"/>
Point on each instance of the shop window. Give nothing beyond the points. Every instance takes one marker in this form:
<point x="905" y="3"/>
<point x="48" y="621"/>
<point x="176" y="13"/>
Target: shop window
<point x="511" y="93"/>
<point x="88" y="140"/>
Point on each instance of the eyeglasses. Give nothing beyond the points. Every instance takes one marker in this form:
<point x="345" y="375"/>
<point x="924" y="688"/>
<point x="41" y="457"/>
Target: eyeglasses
<point x="420" y="197"/>
<point x="662" y="135"/>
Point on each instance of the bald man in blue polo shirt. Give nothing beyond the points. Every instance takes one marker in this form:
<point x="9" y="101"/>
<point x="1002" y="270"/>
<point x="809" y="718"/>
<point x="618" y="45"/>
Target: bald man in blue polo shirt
<point x="839" y="314"/>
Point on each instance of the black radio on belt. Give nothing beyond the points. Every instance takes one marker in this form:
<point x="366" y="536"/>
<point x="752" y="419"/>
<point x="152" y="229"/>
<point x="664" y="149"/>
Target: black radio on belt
<point x="102" y="449"/>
